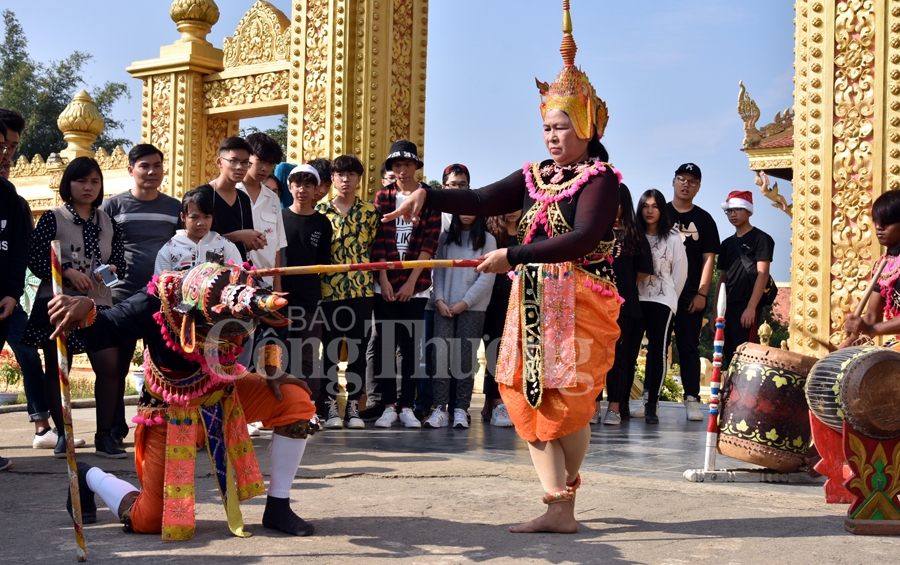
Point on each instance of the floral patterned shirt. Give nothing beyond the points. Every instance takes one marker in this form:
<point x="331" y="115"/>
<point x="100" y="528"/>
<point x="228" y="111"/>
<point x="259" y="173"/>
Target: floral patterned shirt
<point x="351" y="242"/>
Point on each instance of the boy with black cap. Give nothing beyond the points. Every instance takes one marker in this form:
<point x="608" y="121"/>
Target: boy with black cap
<point x="400" y="295"/>
<point x="701" y="243"/>
<point x="744" y="270"/>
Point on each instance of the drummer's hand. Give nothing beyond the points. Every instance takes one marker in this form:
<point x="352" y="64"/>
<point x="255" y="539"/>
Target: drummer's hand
<point x="855" y="325"/>
<point x="409" y="210"/>
<point x="494" y="262"/>
<point x="285" y="379"/>
<point x="67" y="312"/>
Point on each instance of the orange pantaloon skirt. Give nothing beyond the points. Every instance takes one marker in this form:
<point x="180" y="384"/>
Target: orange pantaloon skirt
<point x="150" y="442"/>
<point x="567" y="410"/>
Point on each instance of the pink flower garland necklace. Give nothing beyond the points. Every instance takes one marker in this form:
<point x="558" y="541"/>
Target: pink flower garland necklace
<point x="546" y="198"/>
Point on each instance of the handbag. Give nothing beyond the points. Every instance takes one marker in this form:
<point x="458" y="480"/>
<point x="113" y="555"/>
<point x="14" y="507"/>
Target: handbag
<point x="771" y="290"/>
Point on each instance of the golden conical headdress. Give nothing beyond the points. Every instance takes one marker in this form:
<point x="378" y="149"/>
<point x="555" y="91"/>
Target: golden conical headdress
<point x="572" y="92"/>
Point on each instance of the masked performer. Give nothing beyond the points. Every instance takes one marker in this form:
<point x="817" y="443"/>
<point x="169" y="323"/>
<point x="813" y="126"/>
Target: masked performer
<point x="196" y="393"/>
<point x="561" y="331"/>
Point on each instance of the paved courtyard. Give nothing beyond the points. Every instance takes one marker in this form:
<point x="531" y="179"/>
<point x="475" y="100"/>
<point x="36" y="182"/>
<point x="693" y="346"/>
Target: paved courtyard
<point x="447" y="496"/>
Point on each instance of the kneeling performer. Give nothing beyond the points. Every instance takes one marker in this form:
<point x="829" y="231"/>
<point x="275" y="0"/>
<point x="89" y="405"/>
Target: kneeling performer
<point x="196" y="393"/>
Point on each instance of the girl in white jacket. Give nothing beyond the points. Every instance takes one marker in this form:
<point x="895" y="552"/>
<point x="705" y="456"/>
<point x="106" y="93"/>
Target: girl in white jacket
<point x="190" y="245"/>
<point x="659" y="293"/>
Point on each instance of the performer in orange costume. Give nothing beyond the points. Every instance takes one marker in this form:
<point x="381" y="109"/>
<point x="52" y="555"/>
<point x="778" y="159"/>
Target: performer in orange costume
<point x="561" y="330"/>
<point x="196" y="394"/>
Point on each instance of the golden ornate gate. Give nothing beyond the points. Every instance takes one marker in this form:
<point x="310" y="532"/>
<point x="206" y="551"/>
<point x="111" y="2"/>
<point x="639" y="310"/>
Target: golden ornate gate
<point x="349" y="74"/>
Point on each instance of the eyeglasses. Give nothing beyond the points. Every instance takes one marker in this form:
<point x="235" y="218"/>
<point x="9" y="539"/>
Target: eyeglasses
<point x="733" y="210"/>
<point x="456" y="185"/>
<point x="237" y="164"/>
<point x="346" y="176"/>
<point x="694" y="183"/>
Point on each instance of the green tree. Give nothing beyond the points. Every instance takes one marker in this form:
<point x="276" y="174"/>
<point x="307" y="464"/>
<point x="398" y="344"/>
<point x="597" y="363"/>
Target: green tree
<point x="278" y="133"/>
<point x="40" y="92"/>
<point x="435" y="184"/>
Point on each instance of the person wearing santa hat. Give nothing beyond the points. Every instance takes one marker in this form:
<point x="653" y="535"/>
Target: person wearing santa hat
<point x="743" y="265"/>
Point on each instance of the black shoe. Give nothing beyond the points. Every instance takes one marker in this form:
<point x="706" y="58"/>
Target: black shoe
<point x="88" y="506"/>
<point x="106" y="447"/>
<point x="650" y="416"/>
<point x="371" y="413"/>
<point x="59" y="452"/>
<point x="279" y="516"/>
<point x="5" y="463"/>
<point x="120" y="441"/>
<point x="419" y="414"/>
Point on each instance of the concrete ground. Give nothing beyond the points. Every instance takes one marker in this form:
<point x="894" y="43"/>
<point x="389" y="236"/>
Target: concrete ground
<point x="448" y="496"/>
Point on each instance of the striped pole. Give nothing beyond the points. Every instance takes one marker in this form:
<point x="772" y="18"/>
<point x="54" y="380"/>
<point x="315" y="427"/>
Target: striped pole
<point x="62" y="360"/>
<point x="384" y="266"/>
<point x="715" y="381"/>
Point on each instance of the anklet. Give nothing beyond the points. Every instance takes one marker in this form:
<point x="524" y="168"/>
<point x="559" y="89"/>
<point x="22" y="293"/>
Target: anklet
<point x="561" y="496"/>
<point x="575" y="484"/>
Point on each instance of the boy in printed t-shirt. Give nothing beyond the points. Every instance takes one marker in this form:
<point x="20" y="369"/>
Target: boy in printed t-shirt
<point x="347" y="297"/>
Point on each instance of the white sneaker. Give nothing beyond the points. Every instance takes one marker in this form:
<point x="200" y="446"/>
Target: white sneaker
<point x="500" y="417"/>
<point x="641" y="410"/>
<point x="354" y="422"/>
<point x="334" y="421"/>
<point x="595" y="418"/>
<point x="49" y="439"/>
<point x="408" y="419"/>
<point x="612" y="418"/>
<point x="460" y="418"/>
<point x="692" y="405"/>
<point x="252" y="430"/>
<point x="438" y="419"/>
<point x="387" y="418"/>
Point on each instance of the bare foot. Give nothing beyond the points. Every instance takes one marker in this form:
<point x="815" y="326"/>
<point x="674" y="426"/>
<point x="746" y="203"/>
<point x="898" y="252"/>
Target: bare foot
<point x="554" y="522"/>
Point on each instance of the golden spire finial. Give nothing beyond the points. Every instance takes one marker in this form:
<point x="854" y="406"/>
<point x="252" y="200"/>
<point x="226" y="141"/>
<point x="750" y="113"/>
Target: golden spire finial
<point x="568" y="47"/>
<point x="80" y="123"/>
<point x="194" y="19"/>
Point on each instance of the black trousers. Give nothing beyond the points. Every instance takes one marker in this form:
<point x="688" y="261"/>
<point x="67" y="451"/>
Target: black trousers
<point x="687" y="340"/>
<point x="620" y="378"/>
<point x="347" y="321"/>
<point x="398" y="328"/>
<point x="658" y="319"/>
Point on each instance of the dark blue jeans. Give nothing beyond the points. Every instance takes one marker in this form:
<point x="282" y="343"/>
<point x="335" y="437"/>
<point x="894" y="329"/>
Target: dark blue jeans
<point x="30" y="361"/>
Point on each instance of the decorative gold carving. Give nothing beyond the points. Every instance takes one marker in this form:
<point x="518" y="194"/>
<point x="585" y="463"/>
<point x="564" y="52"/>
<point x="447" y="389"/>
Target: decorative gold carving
<point x="401" y="69"/>
<point x="317" y="65"/>
<point x="262" y="36"/>
<point x="194" y="19"/>
<point x="159" y="114"/>
<point x="854" y="100"/>
<point x="118" y="159"/>
<point x="80" y="123"/>
<point x="264" y="87"/>
<point x="778" y="201"/>
<point x="782" y="122"/>
<point x="749" y="113"/>
<point x="36" y="168"/>
<point x="216" y="131"/>
<point x="890" y="137"/>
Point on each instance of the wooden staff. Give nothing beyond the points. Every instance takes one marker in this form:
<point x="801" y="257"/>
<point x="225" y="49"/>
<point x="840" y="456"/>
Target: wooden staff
<point x="63" y="362"/>
<point x="384" y="266"/>
<point x="715" y="382"/>
<point x="865" y="297"/>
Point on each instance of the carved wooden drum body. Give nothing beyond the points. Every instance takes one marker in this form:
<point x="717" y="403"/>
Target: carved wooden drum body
<point x="765" y="418"/>
<point x="860" y="385"/>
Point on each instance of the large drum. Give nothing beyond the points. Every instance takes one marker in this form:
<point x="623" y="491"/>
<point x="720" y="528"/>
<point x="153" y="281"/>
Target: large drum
<point x="860" y="385"/>
<point x="764" y="418"/>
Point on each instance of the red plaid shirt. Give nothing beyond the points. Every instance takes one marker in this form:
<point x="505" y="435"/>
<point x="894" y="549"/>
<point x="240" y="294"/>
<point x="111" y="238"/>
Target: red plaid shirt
<point x="424" y="238"/>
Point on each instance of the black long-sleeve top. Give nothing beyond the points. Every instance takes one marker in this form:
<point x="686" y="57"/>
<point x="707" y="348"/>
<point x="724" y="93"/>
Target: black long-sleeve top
<point x="591" y="213"/>
<point x="13" y="242"/>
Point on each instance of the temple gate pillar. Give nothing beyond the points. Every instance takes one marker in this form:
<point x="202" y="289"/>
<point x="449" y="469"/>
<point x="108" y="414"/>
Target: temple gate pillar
<point x="357" y="80"/>
<point x="846" y="153"/>
<point x="172" y="95"/>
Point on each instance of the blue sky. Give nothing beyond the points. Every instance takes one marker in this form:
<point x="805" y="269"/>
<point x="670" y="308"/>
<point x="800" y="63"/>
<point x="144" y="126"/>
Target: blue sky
<point x="668" y="71"/>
